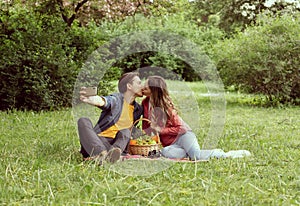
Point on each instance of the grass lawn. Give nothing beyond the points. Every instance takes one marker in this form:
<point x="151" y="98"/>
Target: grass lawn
<point x="40" y="163"/>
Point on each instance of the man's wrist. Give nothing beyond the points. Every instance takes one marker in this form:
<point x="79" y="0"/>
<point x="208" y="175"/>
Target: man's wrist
<point x="97" y="101"/>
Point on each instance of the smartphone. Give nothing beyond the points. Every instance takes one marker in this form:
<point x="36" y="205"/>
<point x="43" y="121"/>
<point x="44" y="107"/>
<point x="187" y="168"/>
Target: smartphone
<point x="91" y="91"/>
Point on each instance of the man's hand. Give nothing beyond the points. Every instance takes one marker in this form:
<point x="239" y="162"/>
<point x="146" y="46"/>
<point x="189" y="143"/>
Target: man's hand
<point x="92" y="100"/>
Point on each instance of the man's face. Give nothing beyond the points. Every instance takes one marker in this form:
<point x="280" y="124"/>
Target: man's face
<point x="146" y="90"/>
<point x="137" y="86"/>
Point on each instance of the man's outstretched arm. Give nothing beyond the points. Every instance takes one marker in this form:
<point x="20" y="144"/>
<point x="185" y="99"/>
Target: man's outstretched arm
<point x="92" y="100"/>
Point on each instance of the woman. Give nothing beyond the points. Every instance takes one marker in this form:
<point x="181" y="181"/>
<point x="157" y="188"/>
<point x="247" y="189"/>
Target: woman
<point x="176" y="136"/>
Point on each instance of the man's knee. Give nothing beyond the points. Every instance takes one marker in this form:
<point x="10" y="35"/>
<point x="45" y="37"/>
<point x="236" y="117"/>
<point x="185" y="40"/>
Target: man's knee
<point x="125" y="133"/>
<point x="83" y="121"/>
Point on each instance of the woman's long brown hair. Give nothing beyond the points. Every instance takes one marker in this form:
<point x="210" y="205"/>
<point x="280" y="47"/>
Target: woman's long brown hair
<point x="160" y="95"/>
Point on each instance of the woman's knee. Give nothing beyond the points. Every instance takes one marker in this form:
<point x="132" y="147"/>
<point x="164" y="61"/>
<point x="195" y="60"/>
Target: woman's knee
<point x="165" y="152"/>
<point x="173" y="152"/>
<point x="188" y="141"/>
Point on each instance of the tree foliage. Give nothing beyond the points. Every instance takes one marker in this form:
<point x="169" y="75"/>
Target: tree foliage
<point x="173" y="24"/>
<point x="264" y="59"/>
<point x="236" y="15"/>
<point x="40" y="58"/>
<point x="36" y="69"/>
<point x="85" y="11"/>
<point x="45" y="43"/>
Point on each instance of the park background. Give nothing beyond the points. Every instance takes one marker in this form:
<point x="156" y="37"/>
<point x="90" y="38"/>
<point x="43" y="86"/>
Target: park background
<point x="255" y="47"/>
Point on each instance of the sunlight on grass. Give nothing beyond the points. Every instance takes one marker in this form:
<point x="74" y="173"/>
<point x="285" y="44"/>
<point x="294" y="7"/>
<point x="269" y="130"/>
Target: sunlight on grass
<point x="40" y="163"/>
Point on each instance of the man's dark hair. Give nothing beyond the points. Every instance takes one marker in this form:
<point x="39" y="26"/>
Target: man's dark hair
<point x="125" y="79"/>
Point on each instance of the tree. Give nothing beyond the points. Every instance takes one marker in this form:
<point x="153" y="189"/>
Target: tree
<point x="237" y="14"/>
<point x="85" y="11"/>
<point x="263" y="59"/>
<point x="37" y="61"/>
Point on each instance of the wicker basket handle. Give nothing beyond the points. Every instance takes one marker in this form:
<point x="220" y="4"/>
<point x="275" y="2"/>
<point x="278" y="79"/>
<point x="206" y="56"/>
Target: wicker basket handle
<point x="142" y="118"/>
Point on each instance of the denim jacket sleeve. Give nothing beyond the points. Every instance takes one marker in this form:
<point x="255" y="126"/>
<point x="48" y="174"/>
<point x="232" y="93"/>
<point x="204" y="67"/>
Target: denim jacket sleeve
<point x="138" y="111"/>
<point x="107" y="100"/>
<point x="111" y="112"/>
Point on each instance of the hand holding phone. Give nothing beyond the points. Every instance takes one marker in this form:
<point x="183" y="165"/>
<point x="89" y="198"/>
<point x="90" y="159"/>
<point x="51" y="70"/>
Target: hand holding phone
<point x="89" y="95"/>
<point x="91" y="91"/>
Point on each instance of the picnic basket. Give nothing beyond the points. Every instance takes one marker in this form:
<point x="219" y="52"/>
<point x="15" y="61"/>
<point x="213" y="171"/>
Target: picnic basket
<point x="144" y="150"/>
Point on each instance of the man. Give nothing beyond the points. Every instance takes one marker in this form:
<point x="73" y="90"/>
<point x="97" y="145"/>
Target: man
<point x="110" y="136"/>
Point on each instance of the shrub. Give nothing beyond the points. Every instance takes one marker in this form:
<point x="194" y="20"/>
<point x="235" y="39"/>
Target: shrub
<point x="36" y="65"/>
<point x="263" y="59"/>
<point x="172" y="25"/>
<point x="41" y="57"/>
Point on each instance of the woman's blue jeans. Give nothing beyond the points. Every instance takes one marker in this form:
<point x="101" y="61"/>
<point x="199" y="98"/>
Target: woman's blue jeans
<point x="187" y="146"/>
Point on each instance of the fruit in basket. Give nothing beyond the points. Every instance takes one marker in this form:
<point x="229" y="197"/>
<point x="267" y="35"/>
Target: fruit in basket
<point x="145" y="140"/>
<point x="152" y="142"/>
<point x="132" y="142"/>
<point x="155" y="138"/>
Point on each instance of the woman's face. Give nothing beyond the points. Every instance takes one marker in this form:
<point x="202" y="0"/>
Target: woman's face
<point x="146" y="90"/>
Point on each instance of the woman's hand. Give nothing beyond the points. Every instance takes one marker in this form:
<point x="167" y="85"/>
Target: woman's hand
<point x="155" y="127"/>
